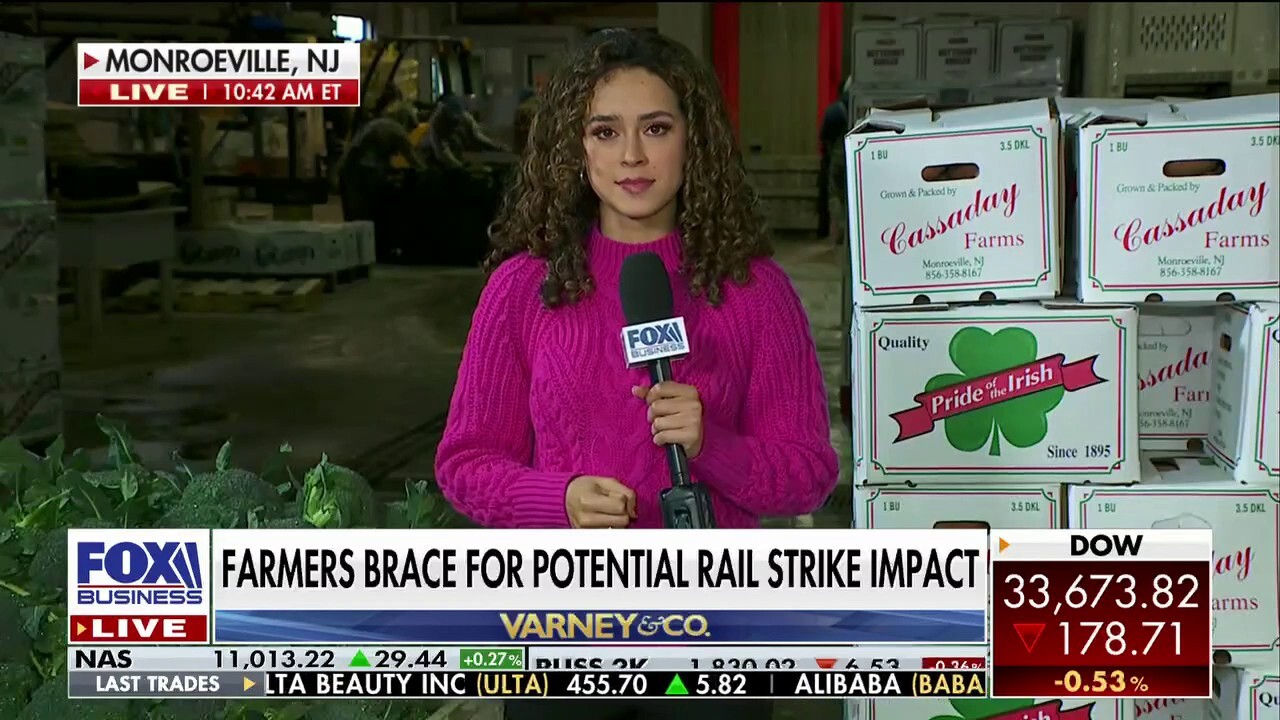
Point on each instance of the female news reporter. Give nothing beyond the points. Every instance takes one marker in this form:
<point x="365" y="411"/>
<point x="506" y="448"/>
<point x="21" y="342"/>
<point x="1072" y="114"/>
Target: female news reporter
<point x="631" y="151"/>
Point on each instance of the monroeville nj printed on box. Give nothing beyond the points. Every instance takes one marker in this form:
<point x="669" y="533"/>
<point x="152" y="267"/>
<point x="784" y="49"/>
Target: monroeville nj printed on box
<point x="218" y="75"/>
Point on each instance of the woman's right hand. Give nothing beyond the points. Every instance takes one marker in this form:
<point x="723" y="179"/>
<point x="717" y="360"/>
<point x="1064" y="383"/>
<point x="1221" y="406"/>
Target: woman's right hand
<point x="599" y="502"/>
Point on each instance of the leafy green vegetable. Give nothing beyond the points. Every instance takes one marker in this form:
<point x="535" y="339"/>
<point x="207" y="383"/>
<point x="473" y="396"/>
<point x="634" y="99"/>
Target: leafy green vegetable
<point x="421" y="508"/>
<point x="1024" y="421"/>
<point x="42" y="497"/>
<point x="14" y="643"/>
<point x="223" y="462"/>
<point x="285" y="523"/>
<point x="119" y="444"/>
<point x="17" y="680"/>
<point x="187" y="710"/>
<point x="48" y="570"/>
<point x="277" y="472"/>
<point x="337" y="497"/>
<point x="352" y="710"/>
<point x="224" y="499"/>
<point x="49" y="702"/>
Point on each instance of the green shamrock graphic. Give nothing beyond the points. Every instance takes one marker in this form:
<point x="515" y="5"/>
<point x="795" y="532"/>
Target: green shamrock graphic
<point x="981" y="709"/>
<point x="1024" y="421"/>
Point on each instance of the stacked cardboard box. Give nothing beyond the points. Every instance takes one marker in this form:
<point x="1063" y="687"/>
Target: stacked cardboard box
<point x="277" y="249"/>
<point x="956" y="61"/>
<point x="30" y="362"/>
<point x="1065" y="315"/>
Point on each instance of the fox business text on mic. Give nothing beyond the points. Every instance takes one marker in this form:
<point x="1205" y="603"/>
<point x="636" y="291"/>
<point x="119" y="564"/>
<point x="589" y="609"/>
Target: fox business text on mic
<point x="546" y="586"/>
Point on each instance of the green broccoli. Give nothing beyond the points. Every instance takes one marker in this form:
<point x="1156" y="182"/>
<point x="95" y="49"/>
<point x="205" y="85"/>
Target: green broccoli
<point x="14" y="643"/>
<point x="285" y="523"/>
<point x="223" y="500"/>
<point x="111" y="478"/>
<point x="169" y="478"/>
<point x="357" y="710"/>
<point x="50" y="701"/>
<point x="337" y="497"/>
<point x="396" y="515"/>
<point x="17" y="680"/>
<point x="421" y="508"/>
<point x="194" y="709"/>
<point x="48" y="568"/>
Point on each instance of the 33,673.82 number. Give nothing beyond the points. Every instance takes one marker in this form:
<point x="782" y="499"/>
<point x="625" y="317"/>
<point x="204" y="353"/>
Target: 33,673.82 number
<point x="1166" y="591"/>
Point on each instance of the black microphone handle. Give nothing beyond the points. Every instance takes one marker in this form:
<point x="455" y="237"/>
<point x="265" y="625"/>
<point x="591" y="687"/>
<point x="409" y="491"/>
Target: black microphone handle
<point x="677" y="460"/>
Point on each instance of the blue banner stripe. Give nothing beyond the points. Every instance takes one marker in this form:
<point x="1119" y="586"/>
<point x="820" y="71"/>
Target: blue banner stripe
<point x="647" y="627"/>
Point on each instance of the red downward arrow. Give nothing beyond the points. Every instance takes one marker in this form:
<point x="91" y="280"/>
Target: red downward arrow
<point x="825" y="663"/>
<point x="1029" y="634"/>
<point x="90" y="61"/>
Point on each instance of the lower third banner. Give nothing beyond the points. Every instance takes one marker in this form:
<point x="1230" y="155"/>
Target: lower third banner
<point x="485" y="626"/>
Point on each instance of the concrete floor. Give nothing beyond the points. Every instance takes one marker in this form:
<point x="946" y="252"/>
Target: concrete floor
<point x="365" y="378"/>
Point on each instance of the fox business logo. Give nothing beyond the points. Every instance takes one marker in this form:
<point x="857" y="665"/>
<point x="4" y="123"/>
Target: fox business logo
<point x="138" y="573"/>
<point x="655" y="340"/>
<point x="605" y="626"/>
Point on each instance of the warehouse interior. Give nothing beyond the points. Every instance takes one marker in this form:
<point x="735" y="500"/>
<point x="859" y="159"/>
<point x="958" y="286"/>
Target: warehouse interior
<point x="219" y="280"/>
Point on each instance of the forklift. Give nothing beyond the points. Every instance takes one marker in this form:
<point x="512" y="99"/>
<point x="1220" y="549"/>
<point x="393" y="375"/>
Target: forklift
<point x="422" y="214"/>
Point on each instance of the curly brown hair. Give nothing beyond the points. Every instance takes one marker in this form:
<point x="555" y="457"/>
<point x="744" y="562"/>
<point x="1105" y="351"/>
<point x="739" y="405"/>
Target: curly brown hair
<point x="549" y="209"/>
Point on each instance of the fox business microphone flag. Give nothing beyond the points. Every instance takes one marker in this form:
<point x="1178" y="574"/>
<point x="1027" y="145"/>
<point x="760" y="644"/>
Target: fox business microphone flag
<point x="529" y="586"/>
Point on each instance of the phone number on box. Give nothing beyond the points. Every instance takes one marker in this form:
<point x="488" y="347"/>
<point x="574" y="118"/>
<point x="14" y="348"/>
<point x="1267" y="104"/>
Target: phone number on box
<point x="1191" y="271"/>
<point x="953" y="274"/>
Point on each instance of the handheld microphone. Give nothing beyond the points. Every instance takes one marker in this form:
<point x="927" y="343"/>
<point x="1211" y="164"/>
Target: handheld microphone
<point x="651" y="338"/>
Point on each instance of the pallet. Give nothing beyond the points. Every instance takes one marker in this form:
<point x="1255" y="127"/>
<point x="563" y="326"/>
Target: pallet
<point x="331" y="280"/>
<point x="226" y="296"/>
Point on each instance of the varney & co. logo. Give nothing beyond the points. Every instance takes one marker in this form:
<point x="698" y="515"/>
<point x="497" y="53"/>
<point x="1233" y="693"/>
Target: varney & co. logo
<point x="899" y="239"/>
<point x="1001" y="389"/>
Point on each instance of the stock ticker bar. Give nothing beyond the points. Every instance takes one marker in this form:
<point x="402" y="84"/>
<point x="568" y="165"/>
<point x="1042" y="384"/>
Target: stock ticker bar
<point x="320" y="684"/>
<point x="1098" y="614"/>
<point x="199" y="659"/>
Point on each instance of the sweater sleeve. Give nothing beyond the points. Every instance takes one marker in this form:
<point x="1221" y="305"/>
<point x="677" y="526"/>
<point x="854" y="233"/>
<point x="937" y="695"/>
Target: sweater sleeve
<point x="483" y="463"/>
<point x="779" y="461"/>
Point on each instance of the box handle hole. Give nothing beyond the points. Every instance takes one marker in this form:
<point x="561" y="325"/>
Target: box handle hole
<point x="946" y="173"/>
<point x="1194" y="168"/>
<point x="962" y="525"/>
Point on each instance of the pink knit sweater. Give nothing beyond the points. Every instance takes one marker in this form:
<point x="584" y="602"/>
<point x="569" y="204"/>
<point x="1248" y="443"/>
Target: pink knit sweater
<point x="544" y="395"/>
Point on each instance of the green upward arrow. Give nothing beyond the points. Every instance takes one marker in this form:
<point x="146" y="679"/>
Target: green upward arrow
<point x="359" y="660"/>
<point x="677" y="687"/>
